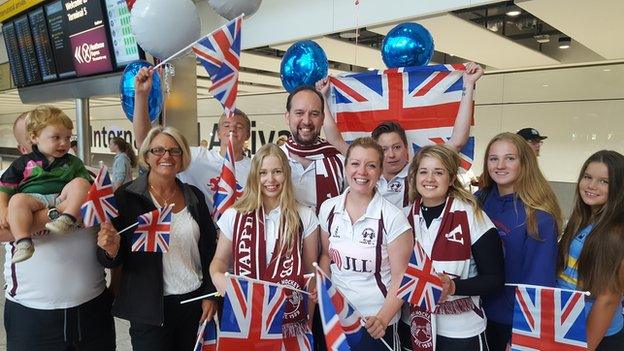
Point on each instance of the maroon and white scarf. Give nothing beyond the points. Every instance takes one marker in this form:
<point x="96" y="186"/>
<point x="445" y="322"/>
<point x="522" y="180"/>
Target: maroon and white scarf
<point x="328" y="164"/>
<point x="451" y="254"/>
<point x="286" y="268"/>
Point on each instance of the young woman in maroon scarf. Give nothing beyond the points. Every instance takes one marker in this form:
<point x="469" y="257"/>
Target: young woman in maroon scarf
<point x="267" y="235"/>
<point x="465" y="249"/>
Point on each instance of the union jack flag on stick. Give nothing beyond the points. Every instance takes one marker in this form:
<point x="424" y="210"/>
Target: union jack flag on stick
<point x="226" y="192"/>
<point x="342" y="323"/>
<point x="152" y="232"/>
<point x="424" y="100"/>
<point x="420" y="285"/>
<point x="548" y="319"/>
<point x="252" y="316"/>
<point x="206" y="337"/>
<point x="100" y="205"/>
<point x="219" y="53"/>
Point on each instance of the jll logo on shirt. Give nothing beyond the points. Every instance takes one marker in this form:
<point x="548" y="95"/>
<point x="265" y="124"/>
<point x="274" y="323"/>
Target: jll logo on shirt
<point x="357" y="265"/>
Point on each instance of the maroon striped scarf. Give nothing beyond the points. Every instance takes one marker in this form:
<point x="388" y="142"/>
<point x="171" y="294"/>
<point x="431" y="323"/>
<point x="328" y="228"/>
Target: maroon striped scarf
<point x="329" y="167"/>
<point x="249" y="257"/>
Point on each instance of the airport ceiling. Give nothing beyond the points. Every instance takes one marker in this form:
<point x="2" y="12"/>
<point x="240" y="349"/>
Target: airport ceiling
<point x="509" y="35"/>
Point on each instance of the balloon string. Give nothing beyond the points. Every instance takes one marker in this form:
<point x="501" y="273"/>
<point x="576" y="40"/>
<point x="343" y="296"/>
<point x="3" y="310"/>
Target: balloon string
<point x="357" y="27"/>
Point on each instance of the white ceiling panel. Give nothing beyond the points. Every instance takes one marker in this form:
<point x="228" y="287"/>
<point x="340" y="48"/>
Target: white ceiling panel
<point x="340" y="51"/>
<point x="596" y="24"/>
<point x="476" y="43"/>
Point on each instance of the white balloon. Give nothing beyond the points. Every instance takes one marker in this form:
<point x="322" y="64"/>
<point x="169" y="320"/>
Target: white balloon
<point x="163" y="27"/>
<point x="231" y="9"/>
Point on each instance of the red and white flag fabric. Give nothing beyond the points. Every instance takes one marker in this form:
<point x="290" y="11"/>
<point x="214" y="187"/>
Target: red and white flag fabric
<point x="548" y="319"/>
<point x="153" y="231"/>
<point x="424" y="100"/>
<point x="227" y="190"/>
<point x="206" y="337"/>
<point x="420" y="285"/>
<point x="100" y="205"/>
<point x="219" y="53"/>
<point x="252" y="316"/>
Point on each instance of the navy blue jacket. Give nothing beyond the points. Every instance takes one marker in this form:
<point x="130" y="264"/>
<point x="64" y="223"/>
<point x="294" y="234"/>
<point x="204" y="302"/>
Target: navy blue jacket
<point x="527" y="261"/>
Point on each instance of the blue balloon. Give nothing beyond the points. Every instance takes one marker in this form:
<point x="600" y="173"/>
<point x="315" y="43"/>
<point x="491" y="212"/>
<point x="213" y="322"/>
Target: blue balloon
<point x="126" y="89"/>
<point x="304" y="63"/>
<point x="407" y="44"/>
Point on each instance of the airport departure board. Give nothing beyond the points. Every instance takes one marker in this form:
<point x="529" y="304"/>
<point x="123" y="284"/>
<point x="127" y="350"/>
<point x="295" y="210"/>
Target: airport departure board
<point x="41" y="39"/>
<point x="10" y="41"/>
<point x="57" y="26"/>
<point x="27" y="50"/>
<point x="62" y="39"/>
<point x="124" y="43"/>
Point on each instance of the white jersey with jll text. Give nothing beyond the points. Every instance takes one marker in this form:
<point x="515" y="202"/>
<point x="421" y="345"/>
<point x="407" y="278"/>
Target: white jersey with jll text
<point x="360" y="265"/>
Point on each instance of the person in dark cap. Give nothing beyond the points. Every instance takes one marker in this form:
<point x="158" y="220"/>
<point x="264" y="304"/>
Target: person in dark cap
<point x="533" y="137"/>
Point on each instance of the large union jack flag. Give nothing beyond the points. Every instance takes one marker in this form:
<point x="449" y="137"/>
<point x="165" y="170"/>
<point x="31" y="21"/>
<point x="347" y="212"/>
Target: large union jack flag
<point x="420" y="285"/>
<point x="424" y="100"/>
<point x="153" y="230"/>
<point x="227" y="190"/>
<point x="219" y="53"/>
<point x="252" y="316"/>
<point x="548" y="319"/>
<point x="100" y="205"/>
<point x="206" y="337"/>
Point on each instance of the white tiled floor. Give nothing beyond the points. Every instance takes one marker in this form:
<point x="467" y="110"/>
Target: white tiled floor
<point x="121" y="326"/>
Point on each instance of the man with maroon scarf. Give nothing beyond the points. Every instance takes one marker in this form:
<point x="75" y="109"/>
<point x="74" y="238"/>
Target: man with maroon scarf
<point x="315" y="163"/>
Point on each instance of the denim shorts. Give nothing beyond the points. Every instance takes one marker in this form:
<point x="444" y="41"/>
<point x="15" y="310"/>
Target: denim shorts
<point x="48" y="200"/>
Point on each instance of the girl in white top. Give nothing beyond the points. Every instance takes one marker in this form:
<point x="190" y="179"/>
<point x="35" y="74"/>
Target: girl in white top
<point x="366" y="241"/>
<point x="465" y="249"/>
<point x="267" y="235"/>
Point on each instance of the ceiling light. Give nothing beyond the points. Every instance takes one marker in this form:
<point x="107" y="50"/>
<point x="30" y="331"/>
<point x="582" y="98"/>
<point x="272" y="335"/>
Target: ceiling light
<point x="513" y="13"/>
<point x="349" y="35"/>
<point x="542" y="38"/>
<point x="564" y="42"/>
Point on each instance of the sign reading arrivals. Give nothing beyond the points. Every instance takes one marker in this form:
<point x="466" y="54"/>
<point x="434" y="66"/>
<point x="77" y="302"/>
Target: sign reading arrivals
<point x="87" y="37"/>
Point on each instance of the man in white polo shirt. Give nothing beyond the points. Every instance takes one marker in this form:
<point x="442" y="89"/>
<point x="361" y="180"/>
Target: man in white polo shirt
<point x="205" y="167"/>
<point x="56" y="300"/>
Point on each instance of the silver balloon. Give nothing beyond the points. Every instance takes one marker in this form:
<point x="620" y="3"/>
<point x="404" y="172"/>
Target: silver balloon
<point x="163" y="27"/>
<point x="231" y="9"/>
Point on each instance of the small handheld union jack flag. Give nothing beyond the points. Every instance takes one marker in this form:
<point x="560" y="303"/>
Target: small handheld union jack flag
<point x="152" y="232"/>
<point x="206" y="337"/>
<point x="420" y="285"/>
<point x="226" y="193"/>
<point x="219" y="53"/>
<point x="252" y="316"/>
<point x="100" y="205"/>
<point x="548" y="319"/>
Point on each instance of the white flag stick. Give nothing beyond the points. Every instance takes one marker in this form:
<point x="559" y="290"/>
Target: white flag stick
<point x="200" y="335"/>
<point x="547" y="287"/>
<point x="362" y="318"/>
<point x="200" y="297"/>
<point x="227" y="274"/>
<point x="186" y="48"/>
<point x="128" y="227"/>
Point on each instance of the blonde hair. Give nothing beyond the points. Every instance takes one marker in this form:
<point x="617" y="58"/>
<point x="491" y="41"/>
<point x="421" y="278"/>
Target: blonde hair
<point x="173" y="133"/>
<point x="43" y="116"/>
<point x="451" y="162"/>
<point x="366" y="143"/>
<point x="251" y="200"/>
<point x="531" y="186"/>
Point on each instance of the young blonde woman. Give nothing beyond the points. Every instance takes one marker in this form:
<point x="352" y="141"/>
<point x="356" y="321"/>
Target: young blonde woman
<point x="517" y="198"/>
<point x="366" y="244"/>
<point x="591" y="251"/>
<point x="463" y="244"/>
<point x="267" y="235"/>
